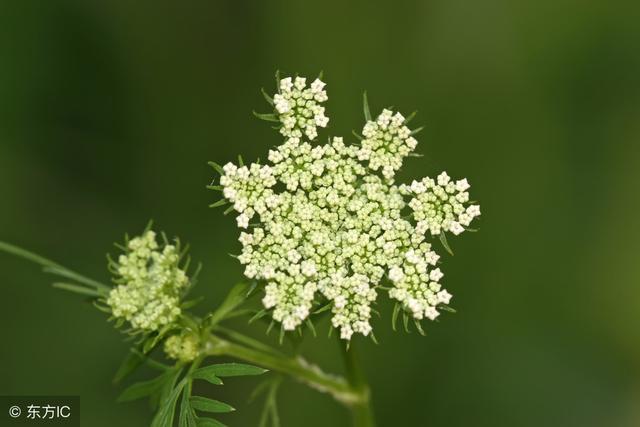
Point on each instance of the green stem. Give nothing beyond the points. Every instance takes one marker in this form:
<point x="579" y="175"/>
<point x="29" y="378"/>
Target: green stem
<point x="53" y="267"/>
<point x="361" y="411"/>
<point x="296" y="367"/>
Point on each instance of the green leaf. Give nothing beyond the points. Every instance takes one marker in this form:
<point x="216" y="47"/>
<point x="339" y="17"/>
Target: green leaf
<point x="217" y="167"/>
<point x="268" y="117"/>
<point x="394" y="316"/>
<point x="77" y="289"/>
<point x="373" y="338"/>
<point x="266" y="96"/>
<point x="419" y="327"/>
<point x="142" y="389"/>
<point x="166" y="414"/>
<point x="204" y="404"/>
<point x="258" y="315"/>
<point x="416" y="130"/>
<point x="324" y="308"/>
<point x="357" y="135"/>
<point x="187" y="416"/>
<point x="209" y="422"/>
<point x="153" y="340"/>
<point x="410" y="117"/>
<point x="405" y="320"/>
<point x="365" y="106"/>
<point x="234" y="298"/>
<point x="191" y="303"/>
<point x="443" y="240"/>
<point x="230" y="370"/>
<point x="163" y="395"/>
<point x="311" y="327"/>
<point x="278" y="80"/>
<point x="219" y="203"/>
<point x="203" y="374"/>
<point x="50" y="266"/>
<point x="131" y="362"/>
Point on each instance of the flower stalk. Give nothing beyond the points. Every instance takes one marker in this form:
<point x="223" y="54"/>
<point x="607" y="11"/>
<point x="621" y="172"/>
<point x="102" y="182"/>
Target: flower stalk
<point x="361" y="411"/>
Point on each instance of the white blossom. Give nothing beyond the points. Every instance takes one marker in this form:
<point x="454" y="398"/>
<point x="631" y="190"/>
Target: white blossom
<point x="299" y="109"/>
<point x="326" y="221"/>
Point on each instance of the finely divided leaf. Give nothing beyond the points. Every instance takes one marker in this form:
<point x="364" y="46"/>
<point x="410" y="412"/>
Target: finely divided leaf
<point x="204" y="374"/>
<point x="187" y="416"/>
<point x="142" y="389"/>
<point x="229" y="370"/>
<point x="166" y="414"/>
<point x="130" y="363"/>
<point x="209" y="422"/>
<point x="204" y="404"/>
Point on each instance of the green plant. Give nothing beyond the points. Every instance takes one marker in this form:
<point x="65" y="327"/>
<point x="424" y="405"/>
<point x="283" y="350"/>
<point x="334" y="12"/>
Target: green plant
<point x="327" y="231"/>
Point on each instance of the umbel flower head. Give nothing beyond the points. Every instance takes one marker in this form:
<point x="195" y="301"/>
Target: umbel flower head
<point x="149" y="282"/>
<point x="326" y="220"/>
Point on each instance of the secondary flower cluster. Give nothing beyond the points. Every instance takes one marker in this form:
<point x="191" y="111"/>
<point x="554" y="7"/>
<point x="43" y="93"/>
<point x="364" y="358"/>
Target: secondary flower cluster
<point x="332" y="223"/>
<point x="440" y="205"/>
<point x="299" y="108"/>
<point x="184" y="348"/>
<point x="150" y="282"/>
<point x="387" y="142"/>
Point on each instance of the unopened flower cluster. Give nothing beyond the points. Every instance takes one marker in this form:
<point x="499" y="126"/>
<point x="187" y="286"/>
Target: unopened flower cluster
<point x="184" y="348"/>
<point x="150" y="282"/>
<point x="327" y="220"/>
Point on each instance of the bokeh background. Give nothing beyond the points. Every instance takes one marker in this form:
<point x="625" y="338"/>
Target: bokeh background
<point x="109" y="112"/>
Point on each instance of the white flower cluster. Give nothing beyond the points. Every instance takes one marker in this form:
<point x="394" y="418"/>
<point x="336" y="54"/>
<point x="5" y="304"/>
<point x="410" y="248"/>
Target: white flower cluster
<point x="248" y="189"/>
<point x="149" y="284"/>
<point x="331" y="223"/>
<point x="184" y="348"/>
<point x="299" y="108"/>
<point x="387" y="141"/>
<point x="441" y="205"/>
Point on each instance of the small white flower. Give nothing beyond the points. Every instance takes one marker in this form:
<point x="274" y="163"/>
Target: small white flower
<point x="286" y="85"/>
<point x="456" y="228"/>
<point x="436" y="275"/>
<point x="317" y="85"/>
<point x="473" y="211"/>
<point x="396" y="274"/>
<point x="300" y="83"/>
<point x="444" y="297"/>
<point x="443" y="179"/>
<point x="462" y="185"/>
<point x="431" y="313"/>
<point x="242" y="220"/>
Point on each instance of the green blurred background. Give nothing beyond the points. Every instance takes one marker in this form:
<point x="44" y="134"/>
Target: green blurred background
<point x="109" y="112"/>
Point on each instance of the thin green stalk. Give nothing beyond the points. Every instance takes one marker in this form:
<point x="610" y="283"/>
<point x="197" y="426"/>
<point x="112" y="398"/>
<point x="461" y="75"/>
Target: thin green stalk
<point x="361" y="410"/>
<point x="53" y="267"/>
<point x="296" y="367"/>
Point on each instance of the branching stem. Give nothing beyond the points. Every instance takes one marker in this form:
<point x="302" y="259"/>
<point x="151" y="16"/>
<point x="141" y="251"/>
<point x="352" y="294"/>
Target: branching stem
<point x="295" y="367"/>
